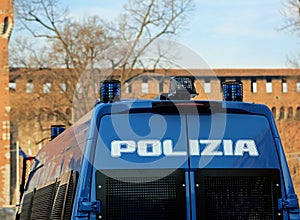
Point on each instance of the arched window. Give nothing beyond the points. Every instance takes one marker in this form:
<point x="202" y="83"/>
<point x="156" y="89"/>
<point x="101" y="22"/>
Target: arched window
<point x="298" y="113"/>
<point x="290" y="112"/>
<point x="281" y="113"/>
<point x="274" y="112"/>
<point x="5" y="26"/>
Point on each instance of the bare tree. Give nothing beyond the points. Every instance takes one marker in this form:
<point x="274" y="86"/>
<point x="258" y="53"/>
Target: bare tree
<point x="80" y="46"/>
<point x="25" y="53"/>
<point x="68" y="52"/>
<point x="291" y="13"/>
<point x="141" y="24"/>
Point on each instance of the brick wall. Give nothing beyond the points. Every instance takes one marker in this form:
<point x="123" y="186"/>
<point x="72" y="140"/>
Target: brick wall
<point x="6" y="23"/>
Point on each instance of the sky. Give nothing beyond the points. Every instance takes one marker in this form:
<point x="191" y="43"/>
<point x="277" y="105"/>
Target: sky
<point x="224" y="33"/>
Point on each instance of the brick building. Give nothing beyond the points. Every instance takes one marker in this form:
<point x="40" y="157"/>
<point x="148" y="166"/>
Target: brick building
<point x="6" y="25"/>
<point x="36" y="97"/>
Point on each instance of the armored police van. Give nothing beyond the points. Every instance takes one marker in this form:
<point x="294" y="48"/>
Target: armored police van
<point x="167" y="158"/>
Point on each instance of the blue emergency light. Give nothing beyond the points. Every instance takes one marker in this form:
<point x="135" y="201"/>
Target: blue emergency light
<point x="233" y="91"/>
<point x="110" y="91"/>
<point x="56" y="130"/>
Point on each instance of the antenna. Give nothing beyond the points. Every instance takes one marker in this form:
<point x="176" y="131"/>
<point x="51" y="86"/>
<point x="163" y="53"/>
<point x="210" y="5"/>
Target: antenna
<point x="181" y="88"/>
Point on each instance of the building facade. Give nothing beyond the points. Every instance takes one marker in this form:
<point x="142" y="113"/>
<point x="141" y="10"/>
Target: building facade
<point x="34" y="92"/>
<point x="6" y="25"/>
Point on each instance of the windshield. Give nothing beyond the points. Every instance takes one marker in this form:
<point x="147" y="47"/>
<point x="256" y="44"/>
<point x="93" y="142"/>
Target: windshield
<point x="149" y="140"/>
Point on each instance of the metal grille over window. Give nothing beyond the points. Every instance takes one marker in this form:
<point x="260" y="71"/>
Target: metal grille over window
<point x="53" y="201"/>
<point x="26" y="207"/>
<point x="238" y="194"/>
<point x="63" y="201"/>
<point x="127" y="195"/>
<point x="42" y="202"/>
<point x="70" y="195"/>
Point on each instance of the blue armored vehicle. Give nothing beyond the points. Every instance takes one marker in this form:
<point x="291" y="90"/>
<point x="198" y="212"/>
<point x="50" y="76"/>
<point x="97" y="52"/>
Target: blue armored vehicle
<point x="167" y="158"/>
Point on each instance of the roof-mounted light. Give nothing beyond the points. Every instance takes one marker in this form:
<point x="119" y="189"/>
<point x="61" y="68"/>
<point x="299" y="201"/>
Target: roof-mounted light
<point x="110" y="91"/>
<point x="233" y="91"/>
<point x="182" y="88"/>
<point x="56" y="130"/>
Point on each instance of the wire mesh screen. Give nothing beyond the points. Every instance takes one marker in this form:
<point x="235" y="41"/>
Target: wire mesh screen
<point x="58" y="203"/>
<point x="28" y="163"/>
<point x="127" y="195"/>
<point x="51" y="201"/>
<point x="42" y="202"/>
<point x="238" y="194"/>
<point x="63" y="201"/>
<point x="70" y="195"/>
<point x="26" y="206"/>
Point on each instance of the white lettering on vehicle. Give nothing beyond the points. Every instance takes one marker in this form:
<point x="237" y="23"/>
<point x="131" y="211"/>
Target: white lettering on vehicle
<point x="211" y="148"/>
<point x="155" y="148"/>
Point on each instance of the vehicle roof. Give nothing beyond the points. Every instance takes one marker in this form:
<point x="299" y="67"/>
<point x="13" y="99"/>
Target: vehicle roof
<point x="166" y="106"/>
